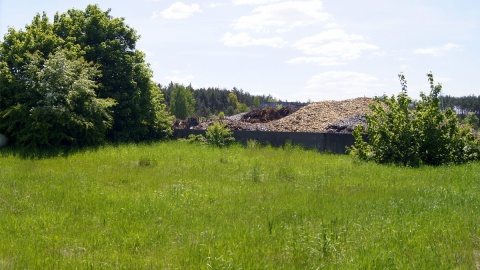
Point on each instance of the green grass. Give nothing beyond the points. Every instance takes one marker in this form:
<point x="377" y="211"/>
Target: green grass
<point x="175" y="205"/>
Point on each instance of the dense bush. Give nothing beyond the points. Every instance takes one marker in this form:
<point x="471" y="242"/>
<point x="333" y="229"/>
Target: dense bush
<point x="62" y="109"/>
<point x="409" y="134"/>
<point x="218" y="135"/>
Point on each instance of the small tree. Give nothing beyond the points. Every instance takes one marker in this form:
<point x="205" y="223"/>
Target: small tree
<point x="422" y="135"/>
<point x="218" y="135"/>
<point x="256" y="102"/>
<point x="182" y="103"/>
<point x="232" y="100"/>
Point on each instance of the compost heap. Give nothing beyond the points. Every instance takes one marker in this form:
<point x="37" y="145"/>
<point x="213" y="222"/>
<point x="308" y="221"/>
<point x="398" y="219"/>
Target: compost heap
<point x="326" y="116"/>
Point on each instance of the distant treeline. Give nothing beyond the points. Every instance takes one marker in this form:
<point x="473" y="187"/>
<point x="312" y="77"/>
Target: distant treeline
<point x="462" y="105"/>
<point x="213" y="100"/>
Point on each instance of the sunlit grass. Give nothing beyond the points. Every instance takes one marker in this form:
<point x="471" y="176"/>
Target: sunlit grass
<point x="175" y="205"/>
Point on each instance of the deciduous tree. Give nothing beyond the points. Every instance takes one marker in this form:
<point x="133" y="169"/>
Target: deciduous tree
<point x="64" y="110"/>
<point x="90" y="40"/>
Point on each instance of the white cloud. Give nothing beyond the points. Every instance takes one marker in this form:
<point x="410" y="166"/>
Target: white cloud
<point x="437" y="51"/>
<point x="341" y="85"/>
<point x="333" y="46"/>
<point x="244" y="39"/>
<point x="282" y="16"/>
<point x="179" y="10"/>
<point x="253" y="2"/>
<point x="319" y="60"/>
<point x="215" y="5"/>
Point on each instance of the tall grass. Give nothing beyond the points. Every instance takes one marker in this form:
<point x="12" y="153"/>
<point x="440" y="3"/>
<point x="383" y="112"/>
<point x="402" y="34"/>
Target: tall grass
<point x="175" y="205"/>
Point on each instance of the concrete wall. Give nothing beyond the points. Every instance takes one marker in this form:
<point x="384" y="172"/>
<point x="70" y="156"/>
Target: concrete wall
<point x="324" y="142"/>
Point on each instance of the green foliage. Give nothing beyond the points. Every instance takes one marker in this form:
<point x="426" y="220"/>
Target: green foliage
<point x="462" y="105"/>
<point x="219" y="135"/>
<point x="242" y="107"/>
<point x="192" y="138"/>
<point x="210" y="101"/>
<point x="221" y="115"/>
<point x="256" y="102"/>
<point x="64" y="110"/>
<point x="182" y="103"/>
<point x="253" y="144"/>
<point x="232" y="100"/>
<point x="472" y="120"/>
<point x="411" y="137"/>
<point x="105" y="42"/>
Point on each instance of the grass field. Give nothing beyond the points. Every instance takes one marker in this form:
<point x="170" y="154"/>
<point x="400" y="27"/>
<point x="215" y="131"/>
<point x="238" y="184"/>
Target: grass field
<point x="175" y="205"/>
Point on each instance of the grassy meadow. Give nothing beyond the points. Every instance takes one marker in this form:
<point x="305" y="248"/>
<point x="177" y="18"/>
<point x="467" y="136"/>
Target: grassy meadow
<point x="175" y="205"/>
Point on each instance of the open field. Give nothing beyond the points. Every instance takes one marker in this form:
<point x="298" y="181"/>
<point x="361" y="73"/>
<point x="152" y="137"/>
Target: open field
<point x="175" y="205"/>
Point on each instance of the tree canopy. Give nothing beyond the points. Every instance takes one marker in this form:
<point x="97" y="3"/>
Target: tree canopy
<point x="86" y="60"/>
<point x="211" y="101"/>
<point x="182" y="103"/>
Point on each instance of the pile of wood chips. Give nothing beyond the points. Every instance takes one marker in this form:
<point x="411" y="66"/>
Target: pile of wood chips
<point x="317" y="116"/>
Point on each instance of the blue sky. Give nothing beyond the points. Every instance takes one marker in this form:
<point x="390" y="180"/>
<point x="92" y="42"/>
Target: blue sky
<point x="296" y="50"/>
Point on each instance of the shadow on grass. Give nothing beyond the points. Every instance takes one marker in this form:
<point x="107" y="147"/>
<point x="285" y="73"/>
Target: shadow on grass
<point x="52" y="152"/>
<point x="31" y="153"/>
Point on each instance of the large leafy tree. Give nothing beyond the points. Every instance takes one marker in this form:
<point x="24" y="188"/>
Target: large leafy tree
<point x="106" y="42"/>
<point x="63" y="111"/>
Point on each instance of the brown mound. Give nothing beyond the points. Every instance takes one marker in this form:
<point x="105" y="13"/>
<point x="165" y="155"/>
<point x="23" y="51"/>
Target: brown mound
<point x="317" y="116"/>
<point x="325" y="116"/>
<point x="264" y="115"/>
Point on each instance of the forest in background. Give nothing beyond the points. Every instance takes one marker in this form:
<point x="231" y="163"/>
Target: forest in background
<point x="211" y="101"/>
<point x="462" y="105"/>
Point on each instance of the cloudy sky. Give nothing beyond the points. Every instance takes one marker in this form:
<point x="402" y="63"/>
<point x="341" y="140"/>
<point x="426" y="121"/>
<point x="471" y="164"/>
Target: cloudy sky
<point x="296" y="50"/>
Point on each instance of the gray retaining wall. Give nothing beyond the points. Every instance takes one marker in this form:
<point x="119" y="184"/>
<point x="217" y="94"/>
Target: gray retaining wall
<point x="324" y="142"/>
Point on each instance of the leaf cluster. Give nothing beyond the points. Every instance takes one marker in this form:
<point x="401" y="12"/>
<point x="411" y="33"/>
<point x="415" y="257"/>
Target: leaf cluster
<point x="77" y="81"/>
<point x="403" y="133"/>
<point x="219" y="135"/>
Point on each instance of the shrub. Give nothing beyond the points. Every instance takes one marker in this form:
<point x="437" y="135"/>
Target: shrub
<point x="472" y="120"/>
<point x="192" y="138"/>
<point x="219" y="135"/>
<point x="413" y="136"/>
<point x="221" y="115"/>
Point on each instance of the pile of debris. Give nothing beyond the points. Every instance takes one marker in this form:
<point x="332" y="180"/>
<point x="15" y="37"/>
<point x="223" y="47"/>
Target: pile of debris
<point x="325" y="116"/>
<point x="347" y="125"/>
<point x="317" y="116"/>
<point x="264" y="115"/>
